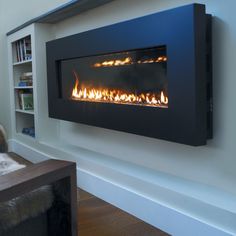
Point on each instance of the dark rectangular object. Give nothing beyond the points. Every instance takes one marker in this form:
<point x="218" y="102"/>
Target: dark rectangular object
<point x="183" y="32"/>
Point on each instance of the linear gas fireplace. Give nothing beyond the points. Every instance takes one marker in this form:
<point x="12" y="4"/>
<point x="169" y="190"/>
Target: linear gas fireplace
<point x="149" y="76"/>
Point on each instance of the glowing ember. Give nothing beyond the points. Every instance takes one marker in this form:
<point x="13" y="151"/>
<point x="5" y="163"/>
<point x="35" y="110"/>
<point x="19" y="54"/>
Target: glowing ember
<point x="118" y="96"/>
<point x="129" y="61"/>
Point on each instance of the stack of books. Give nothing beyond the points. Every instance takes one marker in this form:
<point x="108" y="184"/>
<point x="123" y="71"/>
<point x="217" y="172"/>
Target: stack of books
<point x="25" y="79"/>
<point x="23" y="49"/>
<point x="29" y="131"/>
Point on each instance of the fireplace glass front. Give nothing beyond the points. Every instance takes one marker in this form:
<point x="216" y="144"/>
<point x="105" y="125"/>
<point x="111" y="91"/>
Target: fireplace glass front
<point x="136" y="77"/>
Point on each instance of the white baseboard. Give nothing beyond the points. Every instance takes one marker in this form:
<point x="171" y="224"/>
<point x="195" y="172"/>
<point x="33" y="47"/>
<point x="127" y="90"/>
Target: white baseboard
<point x="159" y="215"/>
<point x="27" y="152"/>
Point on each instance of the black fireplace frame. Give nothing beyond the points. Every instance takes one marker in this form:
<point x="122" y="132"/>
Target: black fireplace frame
<point x="186" y="33"/>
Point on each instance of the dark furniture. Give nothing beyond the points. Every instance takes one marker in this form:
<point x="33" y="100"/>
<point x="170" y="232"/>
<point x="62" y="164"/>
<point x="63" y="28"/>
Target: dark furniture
<point x="61" y="219"/>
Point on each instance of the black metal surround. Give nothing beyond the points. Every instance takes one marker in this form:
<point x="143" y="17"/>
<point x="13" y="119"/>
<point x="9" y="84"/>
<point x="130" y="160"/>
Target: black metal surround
<point x="183" y="30"/>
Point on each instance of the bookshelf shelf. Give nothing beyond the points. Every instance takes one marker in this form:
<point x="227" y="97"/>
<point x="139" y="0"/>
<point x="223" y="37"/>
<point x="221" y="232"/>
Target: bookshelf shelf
<point x="22" y="62"/>
<point x="23" y="87"/>
<point x="25" y="136"/>
<point x="31" y="112"/>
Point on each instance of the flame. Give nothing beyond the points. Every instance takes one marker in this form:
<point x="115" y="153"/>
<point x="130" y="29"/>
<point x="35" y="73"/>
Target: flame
<point x="117" y="96"/>
<point x="128" y="61"/>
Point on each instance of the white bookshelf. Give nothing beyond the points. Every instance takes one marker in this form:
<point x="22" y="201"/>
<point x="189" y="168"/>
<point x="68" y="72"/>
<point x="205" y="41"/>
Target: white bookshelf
<point x="21" y="61"/>
<point x="44" y="127"/>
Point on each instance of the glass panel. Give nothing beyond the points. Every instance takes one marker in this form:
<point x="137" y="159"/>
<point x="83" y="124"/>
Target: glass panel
<point x="137" y="77"/>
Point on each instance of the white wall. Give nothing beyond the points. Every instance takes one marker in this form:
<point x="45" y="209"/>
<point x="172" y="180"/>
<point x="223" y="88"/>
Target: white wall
<point x="143" y="165"/>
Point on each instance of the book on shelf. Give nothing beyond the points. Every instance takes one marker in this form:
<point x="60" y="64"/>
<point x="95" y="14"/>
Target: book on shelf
<point x="26" y="101"/>
<point x="17" y="51"/>
<point x="27" y="47"/>
<point x="26" y="75"/>
<point x="22" y="50"/>
<point x="24" y="83"/>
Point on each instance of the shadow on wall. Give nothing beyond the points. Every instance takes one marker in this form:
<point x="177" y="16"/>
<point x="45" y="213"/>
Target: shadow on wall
<point x="220" y="34"/>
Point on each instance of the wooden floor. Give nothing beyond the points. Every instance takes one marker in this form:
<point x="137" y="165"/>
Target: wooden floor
<point x="98" y="218"/>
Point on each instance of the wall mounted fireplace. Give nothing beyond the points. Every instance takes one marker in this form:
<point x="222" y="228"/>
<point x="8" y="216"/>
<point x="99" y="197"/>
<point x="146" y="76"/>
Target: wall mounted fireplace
<point x="149" y="76"/>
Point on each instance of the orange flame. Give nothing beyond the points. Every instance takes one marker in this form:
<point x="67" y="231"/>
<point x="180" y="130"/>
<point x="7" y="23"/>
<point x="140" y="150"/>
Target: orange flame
<point x="118" y="96"/>
<point x="128" y="61"/>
